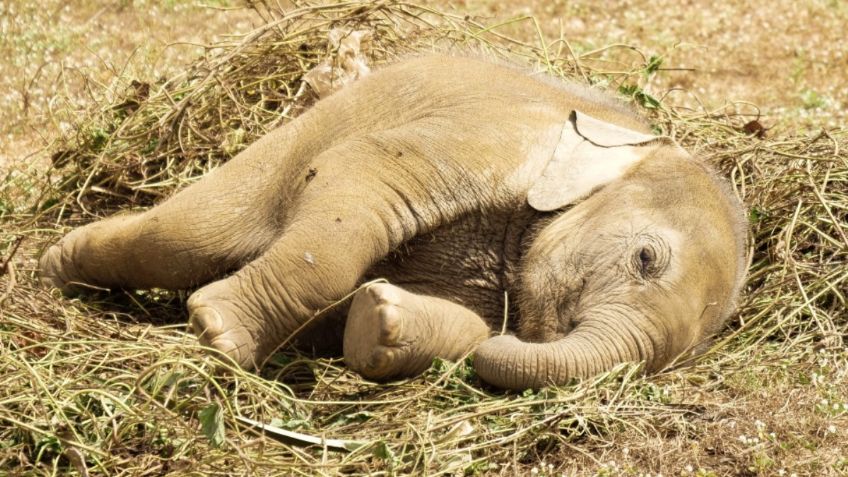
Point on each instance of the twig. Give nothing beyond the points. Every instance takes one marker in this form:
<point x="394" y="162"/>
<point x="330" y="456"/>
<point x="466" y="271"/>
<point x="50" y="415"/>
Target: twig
<point x="10" y="285"/>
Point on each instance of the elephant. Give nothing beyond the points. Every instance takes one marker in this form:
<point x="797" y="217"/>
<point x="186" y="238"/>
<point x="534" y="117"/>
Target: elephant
<point x="540" y="225"/>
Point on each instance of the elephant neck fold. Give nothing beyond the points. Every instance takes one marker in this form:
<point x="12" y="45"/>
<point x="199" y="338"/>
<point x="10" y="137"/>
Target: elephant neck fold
<point x="521" y="230"/>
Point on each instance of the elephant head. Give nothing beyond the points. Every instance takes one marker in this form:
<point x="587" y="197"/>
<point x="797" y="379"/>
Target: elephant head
<point x="642" y="261"/>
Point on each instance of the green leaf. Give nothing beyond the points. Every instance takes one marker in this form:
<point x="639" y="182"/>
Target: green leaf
<point x="383" y="452"/>
<point x="756" y="215"/>
<point x="281" y="360"/>
<point x="355" y="417"/>
<point x="151" y="146"/>
<point x="290" y="424"/>
<point x="628" y="89"/>
<point x="654" y="63"/>
<point x="639" y="95"/>
<point x="98" y="139"/>
<point x="212" y="423"/>
<point x="646" y="100"/>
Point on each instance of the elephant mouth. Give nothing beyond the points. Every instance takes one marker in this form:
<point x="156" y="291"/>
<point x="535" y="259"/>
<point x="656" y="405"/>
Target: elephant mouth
<point x="572" y="310"/>
<point x="552" y="301"/>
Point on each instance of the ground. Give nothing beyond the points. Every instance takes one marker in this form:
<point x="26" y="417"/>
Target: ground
<point x="114" y="386"/>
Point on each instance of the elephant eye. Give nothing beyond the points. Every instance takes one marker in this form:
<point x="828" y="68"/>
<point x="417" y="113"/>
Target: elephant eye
<point x="646" y="261"/>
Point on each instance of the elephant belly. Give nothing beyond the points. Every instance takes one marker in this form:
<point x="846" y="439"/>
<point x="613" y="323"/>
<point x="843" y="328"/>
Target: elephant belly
<point x="465" y="262"/>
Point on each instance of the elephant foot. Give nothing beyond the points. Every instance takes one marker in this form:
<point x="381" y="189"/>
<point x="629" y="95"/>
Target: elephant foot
<point x="392" y="333"/>
<point x="90" y="257"/>
<point x="52" y="273"/>
<point x="80" y="261"/>
<point x="379" y="333"/>
<point x="220" y="321"/>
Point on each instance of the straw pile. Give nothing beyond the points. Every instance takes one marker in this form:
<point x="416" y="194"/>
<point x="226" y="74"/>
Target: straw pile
<point x="114" y="384"/>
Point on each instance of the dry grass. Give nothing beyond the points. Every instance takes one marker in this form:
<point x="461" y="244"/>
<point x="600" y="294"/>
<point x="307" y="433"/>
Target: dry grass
<point x="789" y="58"/>
<point x="114" y="385"/>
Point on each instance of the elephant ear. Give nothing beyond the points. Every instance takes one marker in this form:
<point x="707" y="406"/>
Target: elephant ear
<point x="590" y="154"/>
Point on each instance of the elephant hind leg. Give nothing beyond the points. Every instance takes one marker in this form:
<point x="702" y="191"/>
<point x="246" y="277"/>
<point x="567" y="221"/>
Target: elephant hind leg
<point x="187" y="241"/>
<point x="392" y="333"/>
<point x="138" y="251"/>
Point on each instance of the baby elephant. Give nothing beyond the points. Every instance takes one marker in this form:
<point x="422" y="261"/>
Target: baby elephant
<point x="487" y="197"/>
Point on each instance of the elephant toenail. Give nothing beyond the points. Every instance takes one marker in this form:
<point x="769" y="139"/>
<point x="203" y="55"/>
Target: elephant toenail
<point x="391" y="325"/>
<point x="374" y="292"/>
<point x="381" y="360"/>
<point x="193" y="299"/>
<point x="206" y="321"/>
<point x="224" y="345"/>
<point x="231" y="351"/>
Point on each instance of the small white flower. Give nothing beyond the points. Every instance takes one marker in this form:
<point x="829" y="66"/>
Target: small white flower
<point x="689" y="468"/>
<point x="831" y="429"/>
<point x="534" y="471"/>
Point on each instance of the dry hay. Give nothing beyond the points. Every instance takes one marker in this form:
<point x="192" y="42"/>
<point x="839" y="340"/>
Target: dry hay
<point x="113" y="384"/>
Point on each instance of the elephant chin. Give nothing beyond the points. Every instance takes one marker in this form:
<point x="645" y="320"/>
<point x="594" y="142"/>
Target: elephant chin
<point x="594" y="346"/>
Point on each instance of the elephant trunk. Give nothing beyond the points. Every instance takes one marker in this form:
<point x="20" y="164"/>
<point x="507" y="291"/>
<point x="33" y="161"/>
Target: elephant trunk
<point x="594" y="346"/>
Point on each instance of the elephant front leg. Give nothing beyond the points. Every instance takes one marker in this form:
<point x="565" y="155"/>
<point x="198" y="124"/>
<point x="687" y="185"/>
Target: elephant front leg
<point x="392" y="333"/>
<point x="365" y="198"/>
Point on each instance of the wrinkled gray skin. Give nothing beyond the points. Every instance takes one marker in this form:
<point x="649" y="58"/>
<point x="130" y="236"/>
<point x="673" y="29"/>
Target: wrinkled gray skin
<point x="458" y="181"/>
